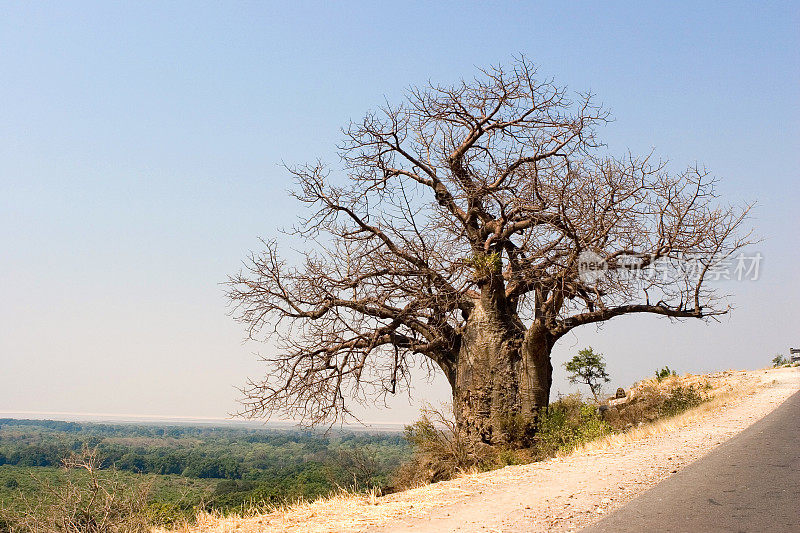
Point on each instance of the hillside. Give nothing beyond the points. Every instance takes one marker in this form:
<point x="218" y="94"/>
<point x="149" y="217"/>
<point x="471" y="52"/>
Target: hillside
<point x="561" y="494"/>
<point x="187" y="468"/>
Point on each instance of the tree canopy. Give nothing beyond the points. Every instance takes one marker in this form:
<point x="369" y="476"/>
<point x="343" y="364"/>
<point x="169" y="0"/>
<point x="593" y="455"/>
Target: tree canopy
<point x="483" y="194"/>
<point x="588" y="368"/>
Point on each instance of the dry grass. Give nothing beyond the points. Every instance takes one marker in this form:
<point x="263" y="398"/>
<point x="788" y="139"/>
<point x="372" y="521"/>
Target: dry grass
<point x="724" y="386"/>
<point x="442" y="453"/>
<point x="91" y="503"/>
<point x="354" y="511"/>
<point x="342" y="510"/>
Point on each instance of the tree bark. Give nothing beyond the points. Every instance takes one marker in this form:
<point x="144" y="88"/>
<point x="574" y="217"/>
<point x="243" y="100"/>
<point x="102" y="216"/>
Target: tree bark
<point x="503" y="378"/>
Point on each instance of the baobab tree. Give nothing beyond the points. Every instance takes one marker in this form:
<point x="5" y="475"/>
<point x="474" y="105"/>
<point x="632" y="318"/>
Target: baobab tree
<point x="455" y="231"/>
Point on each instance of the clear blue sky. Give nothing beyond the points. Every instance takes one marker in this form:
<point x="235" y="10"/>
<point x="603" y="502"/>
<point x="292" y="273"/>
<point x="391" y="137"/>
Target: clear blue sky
<point x="140" y="148"/>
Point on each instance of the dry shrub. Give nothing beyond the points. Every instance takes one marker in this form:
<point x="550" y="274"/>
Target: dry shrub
<point x="88" y="502"/>
<point x="442" y="453"/>
<point x="652" y="400"/>
<point x="439" y="451"/>
<point x="566" y="424"/>
<point x="361" y="464"/>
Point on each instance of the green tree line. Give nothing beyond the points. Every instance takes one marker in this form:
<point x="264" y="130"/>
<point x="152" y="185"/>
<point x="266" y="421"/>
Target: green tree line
<point x="240" y="465"/>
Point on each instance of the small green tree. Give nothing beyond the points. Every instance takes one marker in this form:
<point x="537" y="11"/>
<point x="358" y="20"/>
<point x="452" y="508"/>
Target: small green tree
<point x="779" y="360"/>
<point x="664" y="373"/>
<point x="588" y="368"/>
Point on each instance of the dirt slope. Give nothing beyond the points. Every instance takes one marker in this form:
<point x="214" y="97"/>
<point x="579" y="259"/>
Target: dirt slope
<point x="561" y="494"/>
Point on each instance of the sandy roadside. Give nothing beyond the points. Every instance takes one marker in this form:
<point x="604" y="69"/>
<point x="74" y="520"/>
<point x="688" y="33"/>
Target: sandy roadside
<point x="565" y="494"/>
<point x="561" y="494"/>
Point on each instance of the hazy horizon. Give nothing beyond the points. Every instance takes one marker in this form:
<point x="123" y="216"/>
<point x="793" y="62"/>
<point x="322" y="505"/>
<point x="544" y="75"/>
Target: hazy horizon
<point x="141" y="152"/>
<point x="173" y="420"/>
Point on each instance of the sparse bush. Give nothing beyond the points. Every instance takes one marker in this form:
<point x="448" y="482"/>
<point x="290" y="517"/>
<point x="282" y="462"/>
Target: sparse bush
<point x="441" y="453"/>
<point x="169" y="514"/>
<point x="664" y="373"/>
<point x="680" y="399"/>
<point x="779" y="360"/>
<point x="642" y="408"/>
<point x="566" y="424"/>
<point x="90" y="503"/>
<point x="361" y="465"/>
<point x="652" y="402"/>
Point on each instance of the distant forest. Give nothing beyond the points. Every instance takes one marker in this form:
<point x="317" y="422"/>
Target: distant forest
<point x="196" y="466"/>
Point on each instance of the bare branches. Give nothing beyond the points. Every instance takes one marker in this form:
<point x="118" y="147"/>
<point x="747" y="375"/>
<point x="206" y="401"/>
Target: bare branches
<point x="628" y="213"/>
<point x="502" y="170"/>
<point x="94" y="502"/>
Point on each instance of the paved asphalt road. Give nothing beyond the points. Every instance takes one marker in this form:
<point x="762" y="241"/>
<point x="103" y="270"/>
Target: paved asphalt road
<point x="749" y="483"/>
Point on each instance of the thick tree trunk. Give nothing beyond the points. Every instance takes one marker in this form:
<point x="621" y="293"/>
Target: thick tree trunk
<point x="503" y="378"/>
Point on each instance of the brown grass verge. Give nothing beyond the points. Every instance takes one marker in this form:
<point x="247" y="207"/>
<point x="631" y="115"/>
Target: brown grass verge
<point x="722" y="391"/>
<point x="354" y="511"/>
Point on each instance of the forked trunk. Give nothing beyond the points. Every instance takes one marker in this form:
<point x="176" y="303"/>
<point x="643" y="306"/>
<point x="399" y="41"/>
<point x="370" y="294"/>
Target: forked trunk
<point x="503" y="378"/>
